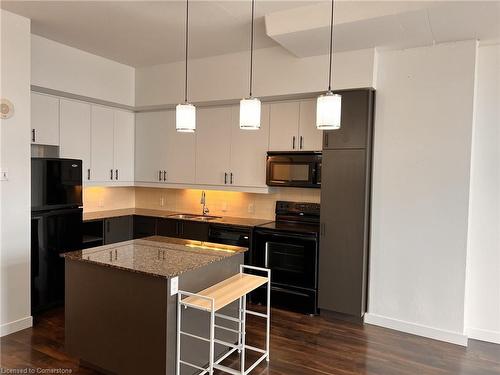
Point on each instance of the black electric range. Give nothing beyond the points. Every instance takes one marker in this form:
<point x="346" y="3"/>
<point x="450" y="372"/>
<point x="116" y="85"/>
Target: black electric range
<point x="289" y="247"/>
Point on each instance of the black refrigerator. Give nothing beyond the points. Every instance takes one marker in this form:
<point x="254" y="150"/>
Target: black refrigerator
<point x="56" y="226"/>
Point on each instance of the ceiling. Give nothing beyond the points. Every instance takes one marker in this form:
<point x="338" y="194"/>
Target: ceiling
<point x="145" y="33"/>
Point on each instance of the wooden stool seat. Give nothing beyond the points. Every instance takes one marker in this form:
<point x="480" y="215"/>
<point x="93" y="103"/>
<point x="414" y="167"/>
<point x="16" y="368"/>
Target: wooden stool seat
<point x="226" y="292"/>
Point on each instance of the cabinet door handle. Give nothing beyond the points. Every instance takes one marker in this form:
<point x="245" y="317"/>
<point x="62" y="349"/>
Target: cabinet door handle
<point x="326" y="139"/>
<point x="116" y="174"/>
<point x="159" y="175"/>
<point x="225" y="178"/>
<point x="33" y="135"/>
<point x="231" y="178"/>
<point x="293" y="143"/>
<point x="322" y="229"/>
<point x="111" y="173"/>
<point x="301" y="142"/>
<point x="164" y="175"/>
<point x="107" y="226"/>
<point x="88" y="174"/>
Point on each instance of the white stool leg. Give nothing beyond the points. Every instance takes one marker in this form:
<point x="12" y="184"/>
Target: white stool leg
<point x="268" y="319"/>
<point x="178" y="354"/>
<point x="212" y="338"/>
<point x="239" y="324"/>
<point x="243" y="335"/>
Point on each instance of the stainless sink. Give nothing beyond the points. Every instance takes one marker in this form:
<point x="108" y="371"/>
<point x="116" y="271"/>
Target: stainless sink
<point x="194" y="217"/>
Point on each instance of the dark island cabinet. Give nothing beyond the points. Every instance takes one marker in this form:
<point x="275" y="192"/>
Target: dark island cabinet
<point x="345" y="208"/>
<point x="117" y="229"/>
<point x="144" y="226"/>
<point x="357" y="108"/>
<point x="189" y="230"/>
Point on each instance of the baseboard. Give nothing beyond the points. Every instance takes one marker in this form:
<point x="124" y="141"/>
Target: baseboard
<point x="17" y="325"/>
<point x="483" y="335"/>
<point x="417" y="329"/>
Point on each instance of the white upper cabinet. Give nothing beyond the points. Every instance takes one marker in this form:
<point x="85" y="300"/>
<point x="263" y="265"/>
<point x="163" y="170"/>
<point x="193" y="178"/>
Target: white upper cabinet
<point x="102" y="121"/>
<point x="123" y="145"/>
<point x="310" y="138"/>
<point x="213" y="137"/>
<point x="293" y="126"/>
<point x="284" y="126"/>
<point x="180" y="151"/>
<point x="150" y="146"/>
<point x="248" y="151"/>
<point x="44" y="119"/>
<point x="75" y="133"/>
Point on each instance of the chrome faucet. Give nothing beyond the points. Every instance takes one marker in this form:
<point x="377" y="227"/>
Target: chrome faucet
<point x="203" y="201"/>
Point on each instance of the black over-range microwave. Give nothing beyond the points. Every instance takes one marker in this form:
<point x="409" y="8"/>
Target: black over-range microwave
<point x="295" y="169"/>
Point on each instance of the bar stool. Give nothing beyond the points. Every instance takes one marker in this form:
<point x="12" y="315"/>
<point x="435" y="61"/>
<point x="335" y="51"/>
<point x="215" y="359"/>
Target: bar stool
<point x="212" y="300"/>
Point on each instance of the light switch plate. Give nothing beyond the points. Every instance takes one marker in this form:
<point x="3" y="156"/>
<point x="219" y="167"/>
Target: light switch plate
<point x="4" y="175"/>
<point x="174" y="286"/>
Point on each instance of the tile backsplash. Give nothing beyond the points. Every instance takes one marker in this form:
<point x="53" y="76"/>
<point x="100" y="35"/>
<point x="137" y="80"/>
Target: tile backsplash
<point x="223" y="203"/>
<point x="106" y="198"/>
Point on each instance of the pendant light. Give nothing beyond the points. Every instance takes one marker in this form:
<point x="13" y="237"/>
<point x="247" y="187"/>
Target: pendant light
<point x="250" y="107"/>
<point x="185" y="113"/>
<point x="329" y="105"/>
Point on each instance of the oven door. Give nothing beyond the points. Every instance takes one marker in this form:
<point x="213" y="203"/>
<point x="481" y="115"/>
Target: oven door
<point x="292" y="169"/>
<point x="292" y="258"/>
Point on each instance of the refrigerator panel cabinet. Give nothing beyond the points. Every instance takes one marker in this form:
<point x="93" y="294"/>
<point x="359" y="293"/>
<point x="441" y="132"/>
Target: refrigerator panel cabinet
<point x="75" y="134"/>
<point x="357" y="108"/>
<point x="44" y="119"/>
<point x="343" y="244"/>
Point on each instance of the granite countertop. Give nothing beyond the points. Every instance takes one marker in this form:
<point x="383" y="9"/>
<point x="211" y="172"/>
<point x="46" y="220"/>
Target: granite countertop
<point x="238" y="221"/>
<point x="158" y="256"/>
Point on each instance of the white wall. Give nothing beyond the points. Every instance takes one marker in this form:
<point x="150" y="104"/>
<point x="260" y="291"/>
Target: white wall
<point x="276" y="72"/>
<point x="483" y="263"/>
<point x="423" y="129"/>
<point x="60" y="67"/>
<point x="15" y="193"/>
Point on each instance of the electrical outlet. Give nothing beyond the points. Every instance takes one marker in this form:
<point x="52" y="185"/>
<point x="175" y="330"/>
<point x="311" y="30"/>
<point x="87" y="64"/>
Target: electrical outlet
<point x="224" y="206"/>
<point x="100" y="204"/>
<point x="4" y="175"/>
<point x="251" y="208"/>
<point x="162" y="201"/>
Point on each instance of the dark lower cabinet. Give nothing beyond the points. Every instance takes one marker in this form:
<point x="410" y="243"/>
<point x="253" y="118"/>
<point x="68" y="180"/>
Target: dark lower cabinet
<point x="193" y="230"/>
<point x="168" y="228"/>
<point x="144" y="226"/>
<point x="190" y="230"/>
<point x="118" y="229"/>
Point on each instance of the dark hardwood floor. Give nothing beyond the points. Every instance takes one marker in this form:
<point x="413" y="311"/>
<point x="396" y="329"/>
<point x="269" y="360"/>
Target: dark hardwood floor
<point x="299" y="345"/>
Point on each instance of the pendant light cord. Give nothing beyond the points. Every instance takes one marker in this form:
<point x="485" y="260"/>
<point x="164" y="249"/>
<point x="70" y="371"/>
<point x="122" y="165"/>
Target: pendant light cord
<point x="187" y="38"/>
<point x="331" y="49"/>
<point x="251" y="48"/>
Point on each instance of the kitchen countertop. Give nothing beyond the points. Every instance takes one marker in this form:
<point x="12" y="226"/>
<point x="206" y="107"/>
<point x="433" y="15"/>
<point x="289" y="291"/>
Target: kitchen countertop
<point x="238" y="221"/>
<point x="158" y="256"/>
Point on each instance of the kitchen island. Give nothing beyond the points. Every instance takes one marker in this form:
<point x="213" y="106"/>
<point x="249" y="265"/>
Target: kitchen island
<point x="120" y="302"/>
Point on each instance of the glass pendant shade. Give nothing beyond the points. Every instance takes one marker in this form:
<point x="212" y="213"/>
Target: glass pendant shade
<point x="185" y="118"/>
<point x="328" y="110"/>
<point x="250" y="114"/>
